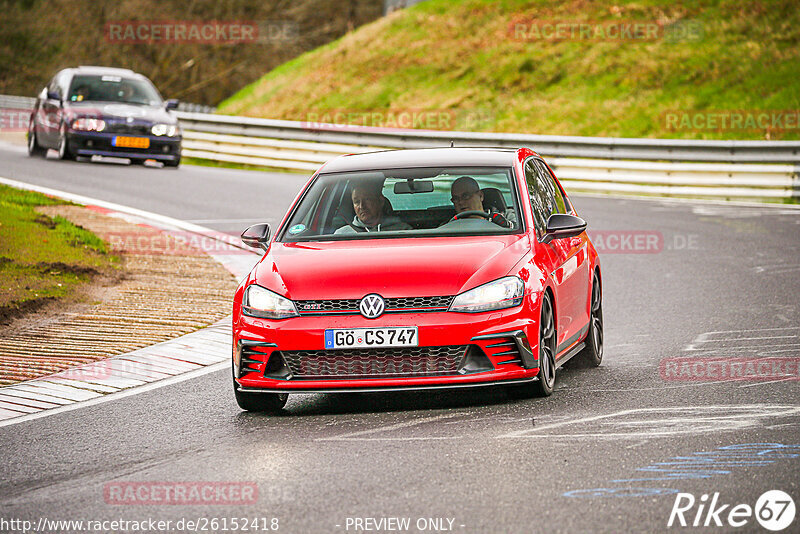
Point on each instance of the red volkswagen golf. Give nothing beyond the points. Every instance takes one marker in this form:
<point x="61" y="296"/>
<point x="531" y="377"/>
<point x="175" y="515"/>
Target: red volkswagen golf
<point x="418" y="269"/>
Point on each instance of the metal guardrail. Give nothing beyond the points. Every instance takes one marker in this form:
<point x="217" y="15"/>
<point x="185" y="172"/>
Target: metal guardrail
<point x="671" y="167"/>
<point x="551" y="145"/>
<point x="305" y="147"/>
<point x="16" y="102"/>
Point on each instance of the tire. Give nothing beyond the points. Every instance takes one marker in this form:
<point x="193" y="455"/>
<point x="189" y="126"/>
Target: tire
<point x="260" y="402"/>
<point x="34" y="148"/>
<point x="544" y="386"/>
<point x="63" y="145"/>
<point x="592" y="353"/>
<point x="173" y="164"/>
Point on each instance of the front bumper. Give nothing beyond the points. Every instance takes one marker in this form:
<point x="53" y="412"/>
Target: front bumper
<point x="499" y="347"/>
<point x="89" y="144"/>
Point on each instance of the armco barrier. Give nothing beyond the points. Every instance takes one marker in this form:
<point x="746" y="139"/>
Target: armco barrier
<point x="671" y="167"/>
<point x="638" y="166"/>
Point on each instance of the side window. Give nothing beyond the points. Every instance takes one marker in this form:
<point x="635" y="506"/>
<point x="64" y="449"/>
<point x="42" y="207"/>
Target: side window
<point x="58" y="83"/>
<point x="552" y="187"/>
<point x="52" y="87"/>
<point x="534" y="191"/>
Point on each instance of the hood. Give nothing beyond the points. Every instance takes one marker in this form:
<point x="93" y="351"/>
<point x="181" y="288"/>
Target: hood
<point x="140" y="113"/>
<point x="412" y="267"/>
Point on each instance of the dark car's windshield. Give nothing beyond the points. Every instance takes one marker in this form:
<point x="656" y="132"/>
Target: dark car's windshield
<point x="106" y="88"/>
<point x="407" y="202"/>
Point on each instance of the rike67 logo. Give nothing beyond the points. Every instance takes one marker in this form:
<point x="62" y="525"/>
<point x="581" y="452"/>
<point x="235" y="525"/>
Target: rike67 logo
<point x="774" y="511"/>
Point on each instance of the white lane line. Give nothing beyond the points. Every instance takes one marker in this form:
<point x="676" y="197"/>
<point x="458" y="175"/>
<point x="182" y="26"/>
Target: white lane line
<point x="737" y="339"/>
<point x="678" y="420"/>
<point x="88" y="201"/>
<point x="356" y="436"/>
<point x="118" y="395"/>
<point x="208" y="348"/>
<point x="790" y="377"/>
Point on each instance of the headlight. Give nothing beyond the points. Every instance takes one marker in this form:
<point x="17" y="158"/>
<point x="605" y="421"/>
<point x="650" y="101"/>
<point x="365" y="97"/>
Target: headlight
<point x="88" y="124"/>
<point x="260" y="302"/>
<point x="503" y="293"/>
<point x="170" y="130"/>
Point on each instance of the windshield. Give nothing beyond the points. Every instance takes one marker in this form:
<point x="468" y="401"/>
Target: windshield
<point x="406" y="203"/>
<point x="113" y="89"/>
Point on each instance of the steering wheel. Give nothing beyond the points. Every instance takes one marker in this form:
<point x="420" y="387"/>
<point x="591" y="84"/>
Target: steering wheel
<point x="470" y="213"/>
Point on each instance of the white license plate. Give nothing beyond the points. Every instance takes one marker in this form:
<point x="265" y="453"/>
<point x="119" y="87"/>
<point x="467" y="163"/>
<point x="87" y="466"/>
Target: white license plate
<point x="390" y="336"/>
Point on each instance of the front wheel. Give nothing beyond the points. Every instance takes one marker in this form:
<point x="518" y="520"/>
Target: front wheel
<point x="592" y="353"/>
<point x="64" y="152"/>
<point x="174" y="163"/>
<point x="34" y="149"/>
<point x="260" y="402"/>
<point x="545" y="384"/>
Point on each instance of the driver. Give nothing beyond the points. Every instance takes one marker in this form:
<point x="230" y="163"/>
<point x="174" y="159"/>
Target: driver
<point x="373" y="211"/>
<point x="466" y="195"/>
<point x="125" y="92"/>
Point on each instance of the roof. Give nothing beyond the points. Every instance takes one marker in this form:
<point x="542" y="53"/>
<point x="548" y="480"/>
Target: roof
<point x="89" y="69"/>
<point x="423" y="157"/>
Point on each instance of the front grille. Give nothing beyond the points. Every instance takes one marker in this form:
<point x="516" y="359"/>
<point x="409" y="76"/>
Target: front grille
<point x="375" y="363"/>
<point x="120" y="127"/>
<point x="398" y="304"/>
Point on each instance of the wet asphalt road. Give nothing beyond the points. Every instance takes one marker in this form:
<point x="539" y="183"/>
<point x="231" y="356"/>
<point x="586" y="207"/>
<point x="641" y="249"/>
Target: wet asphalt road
<point x="608" y="452"/>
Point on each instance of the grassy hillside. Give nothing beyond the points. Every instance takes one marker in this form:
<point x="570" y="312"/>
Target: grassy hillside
<point x="488" y="66"/>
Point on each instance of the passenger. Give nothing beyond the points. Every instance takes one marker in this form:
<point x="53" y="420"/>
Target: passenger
<point x="373" y="211"/>
<point x="466" y="195"/>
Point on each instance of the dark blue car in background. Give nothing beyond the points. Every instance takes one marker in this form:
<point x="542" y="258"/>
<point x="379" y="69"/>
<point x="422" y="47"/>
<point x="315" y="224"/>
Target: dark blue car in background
<point x="103" y="111"/>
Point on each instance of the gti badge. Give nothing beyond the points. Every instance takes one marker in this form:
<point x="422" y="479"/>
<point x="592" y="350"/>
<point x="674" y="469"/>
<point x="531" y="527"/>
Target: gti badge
<point x="372" y="306"/>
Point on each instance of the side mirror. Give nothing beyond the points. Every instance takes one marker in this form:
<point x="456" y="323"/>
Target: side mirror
<point x="172" y="103"/>
<point x="560" y="225"/>
<point x="52" y="95"/>
<point x="257" y="236"/>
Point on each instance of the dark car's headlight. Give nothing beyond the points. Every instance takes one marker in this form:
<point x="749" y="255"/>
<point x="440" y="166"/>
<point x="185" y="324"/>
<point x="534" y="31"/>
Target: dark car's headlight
<point x="261" y="302"/>
<point x="503" y="293"/>
<point x="89" y="124"/>
<point x="170" y="130"/>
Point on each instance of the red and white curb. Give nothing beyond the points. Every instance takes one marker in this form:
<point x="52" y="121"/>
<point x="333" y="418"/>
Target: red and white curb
<point x="195" y="354"/>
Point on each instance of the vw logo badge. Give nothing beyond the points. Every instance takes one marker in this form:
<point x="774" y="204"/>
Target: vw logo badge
<point x="372" y="306"/>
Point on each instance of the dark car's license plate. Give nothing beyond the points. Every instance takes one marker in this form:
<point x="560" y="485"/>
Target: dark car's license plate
<point x="131" y="142"/>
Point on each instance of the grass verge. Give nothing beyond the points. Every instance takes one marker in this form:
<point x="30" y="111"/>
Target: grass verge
<point x="43" y="258"/>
